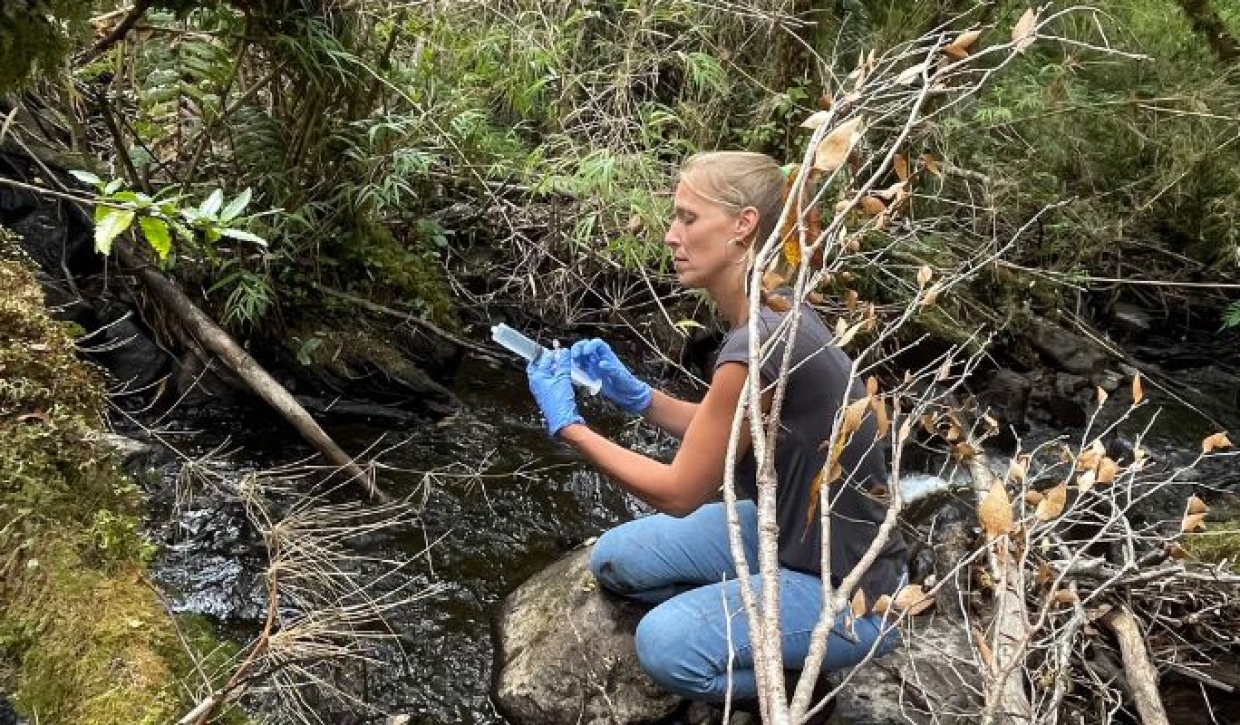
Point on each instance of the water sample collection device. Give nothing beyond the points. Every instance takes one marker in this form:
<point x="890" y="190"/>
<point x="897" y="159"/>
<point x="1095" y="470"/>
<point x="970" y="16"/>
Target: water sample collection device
<point x="529" y="349"/>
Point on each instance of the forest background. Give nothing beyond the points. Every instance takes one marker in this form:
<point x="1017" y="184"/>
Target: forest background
<point x="443" y="159"/>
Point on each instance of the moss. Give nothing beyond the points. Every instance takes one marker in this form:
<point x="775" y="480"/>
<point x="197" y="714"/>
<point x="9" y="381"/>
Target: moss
<point x="1221" y="539"/>
<point x="83" y="637"/>
<point x="403" y="273"/>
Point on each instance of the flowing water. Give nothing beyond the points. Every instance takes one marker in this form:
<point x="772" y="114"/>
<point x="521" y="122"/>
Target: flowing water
<point x="534" y="501"/>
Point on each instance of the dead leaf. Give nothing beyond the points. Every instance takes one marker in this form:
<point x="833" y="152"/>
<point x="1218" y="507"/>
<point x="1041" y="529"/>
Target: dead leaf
<point x="854" y="414"/>
<point x="931" y="165"/>
<point x="932" y="295"/>
<point x="983" y="649"/>
<point x="871" y="386"/>
<point x="773" y="281"/>
<point x="858" y="604"/>
<point x="815" y="490"/>
<point x="882" y="605"/>
<point x="905" y="429"/>
<point x="1033" y="498"/>
<point x="1214" y="442"/>
<point x="1086" y="480"/>
<point x="1052" y="503"/>
<point x="834" y="149"/>
<point x="778" y="303"/>
<point x="912" y="599"/>
<point x="1196" y="505"/>
<point x="1025" y="31"/>
<point x="910" y="75"/>
<point x="1018" y="468"/>
<point x="1175" y="551"/>
<point x="1102" y="396"/>
<point x="1107" y="470"/>
<point x="825" y="101"/>
<point x="879" y="406"/>
<point x="1066" y="596"/>
<point x="1192" y="522"/>
<point x="872" y="205"/>
<point x="924" y="275"/>
<point x="850" y="300"/>
<point x="901" y="167"/>
<point x="816" y="119"/>
<point x="895" y="191"/>
<point x="945" y="370"/>
<point x="963" y="451"/>
<point x="849" y="334"/>
<point x="1137" y="393"/>
<point x="958" y="49"/>
<point x="995" y="511"/>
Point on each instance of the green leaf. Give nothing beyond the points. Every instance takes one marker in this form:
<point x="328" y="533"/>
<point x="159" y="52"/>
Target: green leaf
<point x="86" y="177"/>
<point x="112" y="186"/>
<point x="112" y="225"/>
<point x="212" y="204"/>
<point x="236" y="206"/>
<point x="244" y="236"/>
<point x="156" y="233"/>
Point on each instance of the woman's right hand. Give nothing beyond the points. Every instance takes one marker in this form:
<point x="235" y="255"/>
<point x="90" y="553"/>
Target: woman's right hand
<point x="596" y="358"/>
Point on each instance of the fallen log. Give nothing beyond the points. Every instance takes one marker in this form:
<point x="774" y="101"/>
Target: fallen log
<point x="1138" y="669"/>
<point x="219" y="342"/>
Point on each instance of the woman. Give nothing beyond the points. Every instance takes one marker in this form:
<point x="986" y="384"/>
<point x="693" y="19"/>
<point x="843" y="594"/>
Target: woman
<point x="679" y="559"/>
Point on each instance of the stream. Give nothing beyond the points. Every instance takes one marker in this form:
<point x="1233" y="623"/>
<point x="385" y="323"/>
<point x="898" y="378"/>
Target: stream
<point x="476" y="538"/>
<point x="482" y="536"/>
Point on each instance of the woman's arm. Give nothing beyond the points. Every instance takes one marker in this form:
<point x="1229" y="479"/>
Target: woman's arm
<point x="671" y="415"/>
<point x="694" y="475"/>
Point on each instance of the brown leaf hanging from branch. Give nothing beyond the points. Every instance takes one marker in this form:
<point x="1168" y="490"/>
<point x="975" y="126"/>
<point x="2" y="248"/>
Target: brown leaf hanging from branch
<point x="834" y="149"/>
<point x="958" y="49"/>
<point x="1052" y="503"/>
<point x="995" y="511"/>
<point x="1025" y="31"/>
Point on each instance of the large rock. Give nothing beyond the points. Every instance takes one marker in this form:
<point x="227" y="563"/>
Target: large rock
<point x="566" y="653"/>
<point x="929" y="680"/>
<point x="1066" y="350"/>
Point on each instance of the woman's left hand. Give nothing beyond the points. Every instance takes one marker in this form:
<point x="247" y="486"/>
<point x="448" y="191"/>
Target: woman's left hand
<point x="552" y="386"/>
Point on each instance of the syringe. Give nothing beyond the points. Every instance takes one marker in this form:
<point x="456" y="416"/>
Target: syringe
<point x="529" y="349"/>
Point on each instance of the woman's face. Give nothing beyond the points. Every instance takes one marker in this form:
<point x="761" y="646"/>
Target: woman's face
<point x="699" y="236"/>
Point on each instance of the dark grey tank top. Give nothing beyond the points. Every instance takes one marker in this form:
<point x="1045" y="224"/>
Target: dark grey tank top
<point x="816" y="389"/>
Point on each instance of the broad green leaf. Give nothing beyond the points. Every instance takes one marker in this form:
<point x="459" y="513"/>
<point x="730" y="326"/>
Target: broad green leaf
<point x="86" y="177"/>
<point x="156" y="233"/>
<point x="244" y="236"/>
<point x="113" y="224"/>
<point x="212" y="204"/>
<point x="112" y="186"/>
<point x="236" y="206"/>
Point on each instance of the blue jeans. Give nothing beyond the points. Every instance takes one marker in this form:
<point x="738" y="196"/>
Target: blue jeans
<point x="684" y="566"/>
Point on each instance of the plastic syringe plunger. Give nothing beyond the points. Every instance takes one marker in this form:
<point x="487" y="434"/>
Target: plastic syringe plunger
<point x="529" y="349"/>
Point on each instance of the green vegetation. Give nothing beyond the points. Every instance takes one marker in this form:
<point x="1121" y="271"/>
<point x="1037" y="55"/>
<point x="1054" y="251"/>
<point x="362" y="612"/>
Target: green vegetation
<point x="83" y="637"/>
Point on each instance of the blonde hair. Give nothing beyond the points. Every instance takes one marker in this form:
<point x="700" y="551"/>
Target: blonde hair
<point x="738" y="179"/>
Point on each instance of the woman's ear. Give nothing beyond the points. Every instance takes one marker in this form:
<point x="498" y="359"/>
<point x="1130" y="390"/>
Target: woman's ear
<point x="747" y="223"/>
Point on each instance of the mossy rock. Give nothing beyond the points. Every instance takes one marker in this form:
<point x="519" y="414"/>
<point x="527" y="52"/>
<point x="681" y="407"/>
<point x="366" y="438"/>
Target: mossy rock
<point x="1221" y="539"/>
<point x="84" y="639"/>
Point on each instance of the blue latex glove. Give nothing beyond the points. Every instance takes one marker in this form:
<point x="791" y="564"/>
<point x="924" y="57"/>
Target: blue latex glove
<point x="552" y="386"/>
<point x="595" y="358"/>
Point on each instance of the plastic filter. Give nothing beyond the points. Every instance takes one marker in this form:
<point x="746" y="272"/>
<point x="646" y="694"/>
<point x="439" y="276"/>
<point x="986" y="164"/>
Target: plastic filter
<point x="529" y="349"/>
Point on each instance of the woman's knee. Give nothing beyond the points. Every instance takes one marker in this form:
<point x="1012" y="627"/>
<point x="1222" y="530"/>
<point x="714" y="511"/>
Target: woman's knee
<point x="607" y="560"/>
